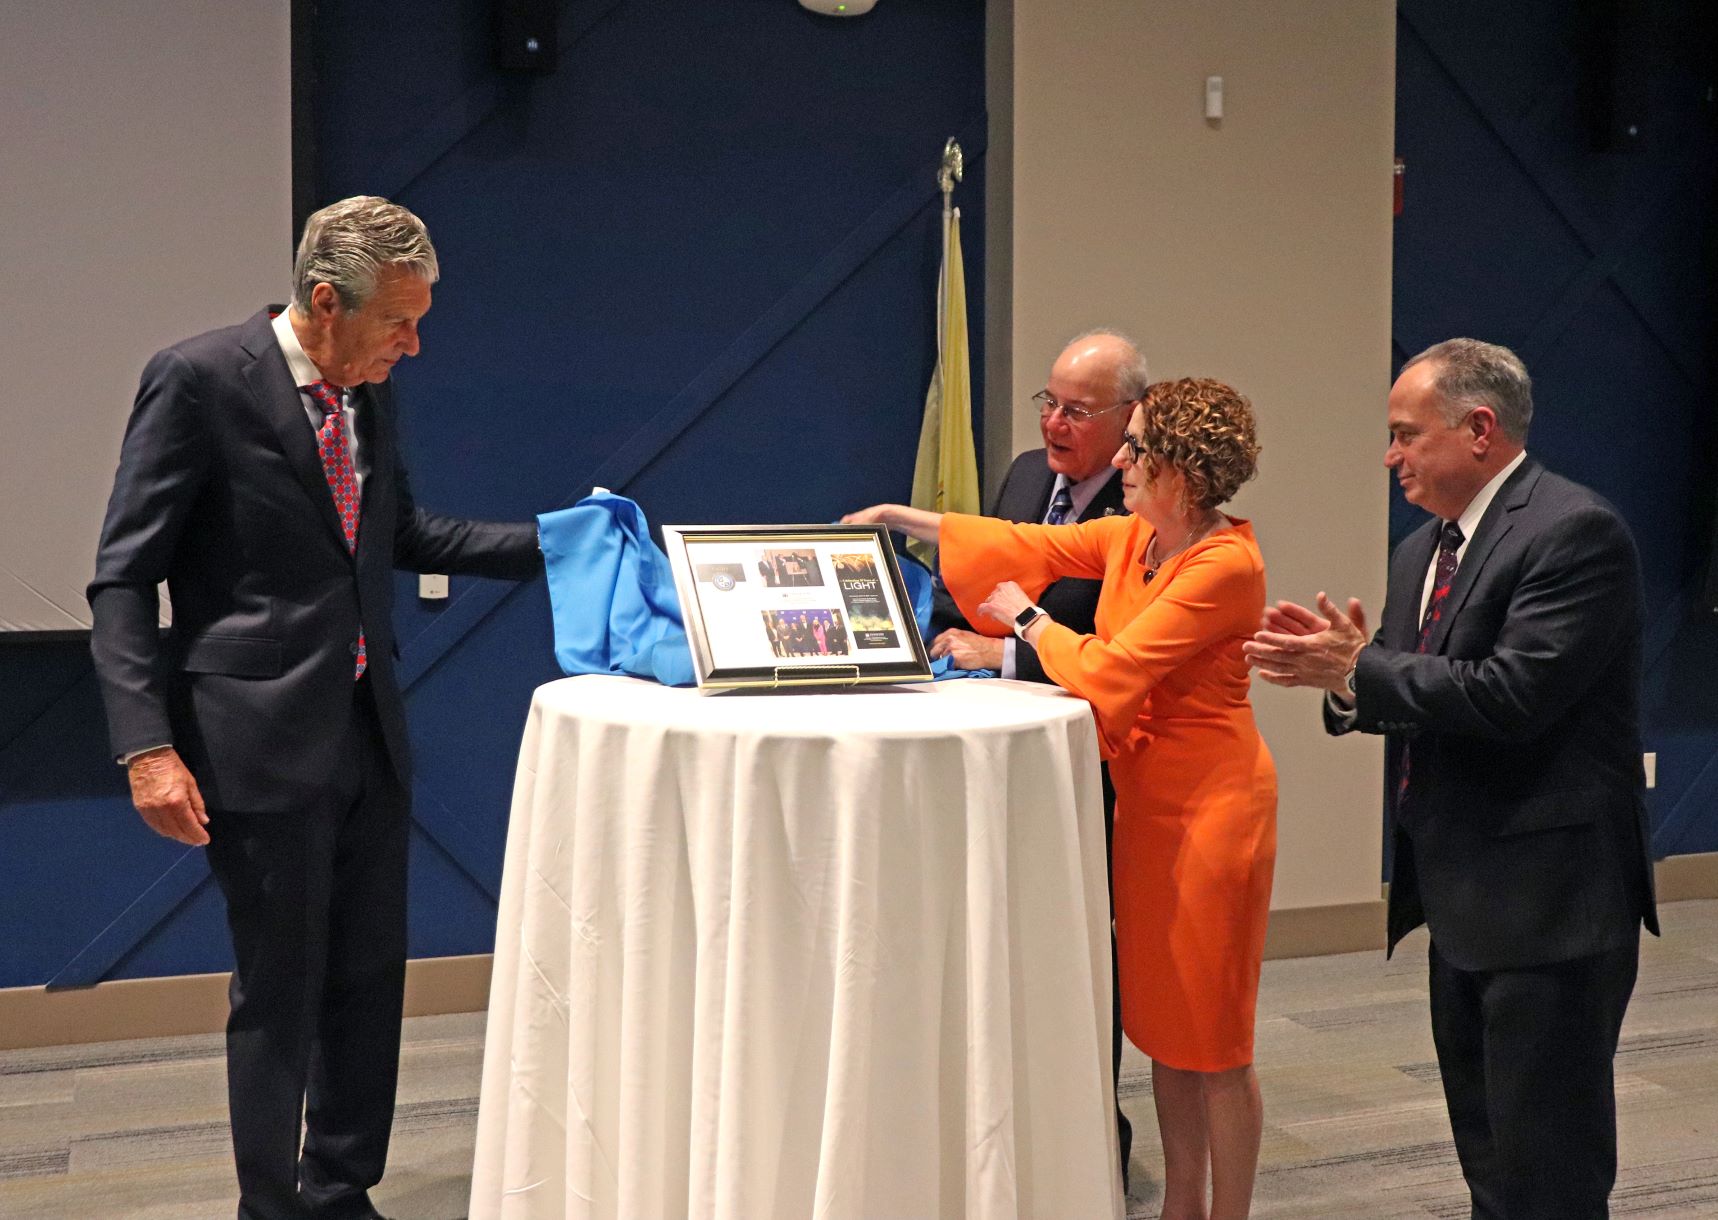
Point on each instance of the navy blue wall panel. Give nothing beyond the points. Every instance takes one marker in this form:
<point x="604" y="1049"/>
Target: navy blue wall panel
<point x="695" y="265"/>
<point x="1597" y="266"/>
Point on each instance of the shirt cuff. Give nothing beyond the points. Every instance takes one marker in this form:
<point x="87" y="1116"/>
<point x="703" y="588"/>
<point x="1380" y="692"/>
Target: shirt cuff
<point x="1008" y="647"/>
<point x="125" y="759"/>
<point x="1346" y="713"/>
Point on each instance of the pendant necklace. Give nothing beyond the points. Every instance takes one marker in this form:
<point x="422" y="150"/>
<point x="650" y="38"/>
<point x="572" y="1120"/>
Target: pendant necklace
<point x="1151" y="564"/>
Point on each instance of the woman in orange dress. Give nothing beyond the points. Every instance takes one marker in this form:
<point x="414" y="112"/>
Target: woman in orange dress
<point x="1196" y="793"/>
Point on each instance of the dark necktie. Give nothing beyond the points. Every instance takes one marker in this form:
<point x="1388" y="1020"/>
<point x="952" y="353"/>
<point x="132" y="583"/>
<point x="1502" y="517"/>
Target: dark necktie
<point x="1450" y="539"/>
<point x="1061" y="505"/>
<point x="1449" y="542"/>
<point x="342" y="478"/>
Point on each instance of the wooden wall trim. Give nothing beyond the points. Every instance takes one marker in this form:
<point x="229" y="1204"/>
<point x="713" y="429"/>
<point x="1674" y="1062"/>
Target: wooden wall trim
<point x="197" y="1004"/>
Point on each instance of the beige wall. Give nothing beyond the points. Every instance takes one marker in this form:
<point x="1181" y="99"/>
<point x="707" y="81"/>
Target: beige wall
<point x="1255" y="249"/>
<point x="145" y="195"/>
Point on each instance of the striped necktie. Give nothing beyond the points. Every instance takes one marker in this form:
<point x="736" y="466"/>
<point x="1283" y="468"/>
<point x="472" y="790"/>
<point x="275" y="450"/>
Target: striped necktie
<point x="1061" y="505"/>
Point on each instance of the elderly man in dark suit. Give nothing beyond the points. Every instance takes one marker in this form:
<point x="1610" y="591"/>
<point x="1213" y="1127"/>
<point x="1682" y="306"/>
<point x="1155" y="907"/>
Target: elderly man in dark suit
<point x="260" y="477"/>
<point x="1082" y="411"/>
<point x="1506" y="676"/>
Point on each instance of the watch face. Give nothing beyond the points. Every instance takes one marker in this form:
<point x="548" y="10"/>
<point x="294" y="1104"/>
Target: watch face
<point x="1026" y="616"/>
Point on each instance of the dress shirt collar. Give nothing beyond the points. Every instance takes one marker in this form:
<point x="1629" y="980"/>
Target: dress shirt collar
<point x="304" y="371"/>
<point x="1470" y="516"/>
<point x="1083" y="492"/>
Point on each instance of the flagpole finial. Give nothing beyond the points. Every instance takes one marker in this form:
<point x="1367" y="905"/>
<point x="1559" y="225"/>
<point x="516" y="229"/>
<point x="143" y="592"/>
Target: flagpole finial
<point x="953" y="166"/>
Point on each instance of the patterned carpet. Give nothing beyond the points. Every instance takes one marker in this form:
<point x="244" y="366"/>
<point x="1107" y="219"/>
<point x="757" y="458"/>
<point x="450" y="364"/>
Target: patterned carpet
<point x="1355" y="1120"/>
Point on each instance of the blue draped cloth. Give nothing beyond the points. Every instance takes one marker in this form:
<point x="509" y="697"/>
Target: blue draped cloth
<point x="917" y="577"/>
<point x="612" y="593"/>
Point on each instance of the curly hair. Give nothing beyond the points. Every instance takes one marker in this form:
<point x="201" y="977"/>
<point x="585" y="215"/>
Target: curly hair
<point x="1204" y="429"/>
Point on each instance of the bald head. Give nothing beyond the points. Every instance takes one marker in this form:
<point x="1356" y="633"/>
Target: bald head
<point x="1099" y="373"/>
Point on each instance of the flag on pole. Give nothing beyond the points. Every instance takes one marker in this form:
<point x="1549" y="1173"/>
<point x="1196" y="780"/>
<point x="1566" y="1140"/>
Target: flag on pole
<point x="945" y="477"/>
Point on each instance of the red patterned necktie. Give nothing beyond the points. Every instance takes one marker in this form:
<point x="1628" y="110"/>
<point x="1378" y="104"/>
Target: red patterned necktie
<point x="1449" y="542"/>
<point x="336" y="457"/>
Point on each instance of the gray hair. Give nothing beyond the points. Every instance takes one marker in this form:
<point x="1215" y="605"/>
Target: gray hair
<point x="1133" y="378"/>
<point x="1472" y="374"/>
<point x="347" y="244"/>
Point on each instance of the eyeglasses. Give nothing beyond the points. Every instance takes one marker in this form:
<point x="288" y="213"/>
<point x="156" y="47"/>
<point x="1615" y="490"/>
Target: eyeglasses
<point x="1135" y="447"/>
<point x="1048" y="406"/>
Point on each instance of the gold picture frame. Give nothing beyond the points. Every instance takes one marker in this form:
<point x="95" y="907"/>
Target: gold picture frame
<point x="771" y="606"/>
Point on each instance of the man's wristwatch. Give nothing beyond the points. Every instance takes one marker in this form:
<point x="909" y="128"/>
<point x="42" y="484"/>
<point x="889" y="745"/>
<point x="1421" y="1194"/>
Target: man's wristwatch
<point x="1348" y="678"/>
<point x="1026" y="618"/>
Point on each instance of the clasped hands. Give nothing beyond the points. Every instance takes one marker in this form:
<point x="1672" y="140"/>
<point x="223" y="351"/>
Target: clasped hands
<point x="1295" y="646"/>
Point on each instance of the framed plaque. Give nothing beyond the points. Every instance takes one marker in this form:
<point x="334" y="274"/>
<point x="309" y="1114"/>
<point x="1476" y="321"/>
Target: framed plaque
<point x="794" y="605"/>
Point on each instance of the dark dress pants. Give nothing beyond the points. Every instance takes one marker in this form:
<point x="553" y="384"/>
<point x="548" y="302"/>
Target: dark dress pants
<point x="316" y="902"/>
<point x="1526" y="1057"/>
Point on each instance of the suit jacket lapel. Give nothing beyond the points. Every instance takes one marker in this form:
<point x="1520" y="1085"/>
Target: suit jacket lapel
<point x="278" y="400"/>
<point x="376" y="443"/>
<point x="1514" y="493"/>
<point x="1107" y="503"/>
<point x="1041" y="496"/>
<point x="1402" y="628"/>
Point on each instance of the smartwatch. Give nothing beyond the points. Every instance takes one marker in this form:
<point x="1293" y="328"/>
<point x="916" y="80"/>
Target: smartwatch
<point x="1026" y="618"/>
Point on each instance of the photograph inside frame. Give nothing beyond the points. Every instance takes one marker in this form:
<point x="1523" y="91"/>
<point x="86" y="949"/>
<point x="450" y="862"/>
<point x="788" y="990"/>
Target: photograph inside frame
<point x="762" y="602"/>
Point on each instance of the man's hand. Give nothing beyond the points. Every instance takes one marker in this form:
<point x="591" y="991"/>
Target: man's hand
<point x="165" y="793"/>
<point x="968" y="649"/>
<point x="1005" y="603"/>
<point x="877" y="514"/>
<point x="1296" y="647"/>
<point x="918" y="523"/>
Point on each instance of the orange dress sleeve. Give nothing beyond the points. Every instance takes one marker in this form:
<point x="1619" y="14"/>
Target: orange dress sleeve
<point x="1216" y="594"/>
<point x="976" y="554"/>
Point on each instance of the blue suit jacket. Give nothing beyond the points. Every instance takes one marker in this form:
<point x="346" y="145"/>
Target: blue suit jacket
<point x="220" y="493"/>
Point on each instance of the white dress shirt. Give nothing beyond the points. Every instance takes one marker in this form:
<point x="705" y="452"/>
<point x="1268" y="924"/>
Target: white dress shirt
<point x="1468" y="522"/>
<point x="304" y="373"/>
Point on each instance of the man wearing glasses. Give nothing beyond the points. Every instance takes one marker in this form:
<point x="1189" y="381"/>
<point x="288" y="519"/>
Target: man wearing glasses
<point x="1082" y="412"/>
<point x="1094" y="385"/>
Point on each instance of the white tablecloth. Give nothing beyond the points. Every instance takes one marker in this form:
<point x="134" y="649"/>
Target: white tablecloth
<point x="795" y="956"/>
